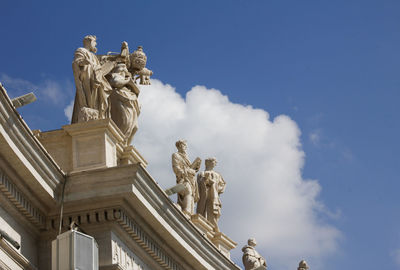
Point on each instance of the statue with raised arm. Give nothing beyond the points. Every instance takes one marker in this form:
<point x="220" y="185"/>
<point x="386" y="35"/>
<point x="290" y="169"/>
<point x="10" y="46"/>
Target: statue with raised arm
<point x="92" y="88"/>
<point x="125" y="108"/>
<point x="211" y="185"/>
<point x="185" y="172"/>
<point x="252" y="260"/>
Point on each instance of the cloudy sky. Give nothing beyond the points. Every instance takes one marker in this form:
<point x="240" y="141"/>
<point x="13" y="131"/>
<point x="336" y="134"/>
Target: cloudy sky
<point x="297" y="100"/>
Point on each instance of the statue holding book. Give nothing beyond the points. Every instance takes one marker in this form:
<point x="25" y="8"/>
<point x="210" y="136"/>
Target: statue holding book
<point x="185" y="172"/>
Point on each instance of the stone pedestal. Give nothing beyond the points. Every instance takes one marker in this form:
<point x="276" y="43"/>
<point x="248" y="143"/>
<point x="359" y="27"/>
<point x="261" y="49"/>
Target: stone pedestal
<point x="223" y="243"/>
<point x="203" y="225"/>
<point x="89" y="145"/>
<point x="220" y="240"/>
<point x="94" y="144"/>
<point x="129" y="155"/>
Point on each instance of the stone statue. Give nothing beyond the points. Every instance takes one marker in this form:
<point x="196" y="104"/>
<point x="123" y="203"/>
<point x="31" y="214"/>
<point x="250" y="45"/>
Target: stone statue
<point x="92" y="88"/>
<point x="211" y="185"/>
<point x="106" y="85"/>
<point x="252" y="260"/>
<point x="125" y="53"/>
<point x="144" y="76"/>
<point x="125" y="108"/>
<point x="303" y="265"/>
<point x="185" y="172"/>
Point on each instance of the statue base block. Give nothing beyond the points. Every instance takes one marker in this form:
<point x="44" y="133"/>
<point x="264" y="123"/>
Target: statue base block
<point x="129" y="155"/>
<point x="203" y="225"/>
<point x="223" y="243"/>
<point x="94" y="144"/>
<point x="89" y="145"/>
<point x="220" y="240"/>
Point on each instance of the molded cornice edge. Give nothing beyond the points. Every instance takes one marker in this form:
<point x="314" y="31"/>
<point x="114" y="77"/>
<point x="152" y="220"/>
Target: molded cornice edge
<point x="18" y="142"/>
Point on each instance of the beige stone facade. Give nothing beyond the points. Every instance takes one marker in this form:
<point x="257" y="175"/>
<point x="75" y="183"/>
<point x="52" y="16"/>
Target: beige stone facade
<point x="104" y="187"/>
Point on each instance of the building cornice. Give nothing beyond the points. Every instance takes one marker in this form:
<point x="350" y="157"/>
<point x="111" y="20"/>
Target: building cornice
<point x="31" y="160"/>
<point x="21" y="202"/>
<point x="17" y="257"/>
<point x="142" y="200"/>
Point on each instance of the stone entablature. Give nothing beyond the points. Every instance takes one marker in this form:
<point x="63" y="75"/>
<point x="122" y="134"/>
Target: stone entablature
<point x="21" y="202"/>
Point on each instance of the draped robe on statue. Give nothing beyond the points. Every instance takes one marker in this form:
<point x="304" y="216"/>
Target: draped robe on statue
<point x="125" y="107"/>
<point x="185" y="174"/>
<point x="92" y="88"/>
<point x="252" y="260"/>
<point x="211" y="184"/>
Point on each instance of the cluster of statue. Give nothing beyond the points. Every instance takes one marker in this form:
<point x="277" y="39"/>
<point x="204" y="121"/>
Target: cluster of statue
<point x="106" y="85"/>
<point x="252" y="260"/>
<point x="203" y="190"/>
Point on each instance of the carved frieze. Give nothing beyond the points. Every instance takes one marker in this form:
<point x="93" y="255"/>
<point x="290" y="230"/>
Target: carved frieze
<point x="21" y="202"/>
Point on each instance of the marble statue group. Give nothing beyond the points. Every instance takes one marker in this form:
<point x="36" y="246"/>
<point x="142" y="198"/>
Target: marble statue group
<point x="205" y="190"/>
<point x="106" y="85"/>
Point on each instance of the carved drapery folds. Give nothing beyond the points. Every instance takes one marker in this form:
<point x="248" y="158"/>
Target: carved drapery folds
<point x="252" y="260"/>
<point x="211" y="185"/>
<point x="106" y="85"/>
<point x="204" y="190"/>
<point x="185" y="172"/>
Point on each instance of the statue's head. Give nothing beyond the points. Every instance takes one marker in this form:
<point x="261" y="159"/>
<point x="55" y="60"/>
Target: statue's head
<point x="89" y="42"/>
<point x="124" y="44"/>
<point x="210" y="162"/>
<point x="252" y="242"/>
<point x="120" y="67"/>
<point x="303" y="265"/>
<point x="181" y="145"/>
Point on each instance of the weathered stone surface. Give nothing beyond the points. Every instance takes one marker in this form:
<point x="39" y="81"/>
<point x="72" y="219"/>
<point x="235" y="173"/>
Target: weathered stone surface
<point x="211" y="185"/>
<point x="303" y="265"/>
<point x="89" y="145"/>
<point x="252" y="260"/>
<point x="92" y="88"/>
<point x="106" y="85"/>
<point x="185" y="172"/>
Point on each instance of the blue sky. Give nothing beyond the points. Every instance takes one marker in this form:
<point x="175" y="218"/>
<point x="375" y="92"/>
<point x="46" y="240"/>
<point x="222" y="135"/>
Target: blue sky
<point x="331" y="66"/>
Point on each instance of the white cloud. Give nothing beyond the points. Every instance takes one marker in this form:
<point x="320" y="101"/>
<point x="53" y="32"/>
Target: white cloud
<point x="47" y="90"/>
<point x="52" y="90"/>
<point x="261" y="160"/>
<point x="396" y="256"/>
<point x="315" y="137"/>
<point x="68" y="110"/>
<point x="22" y="86"/>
